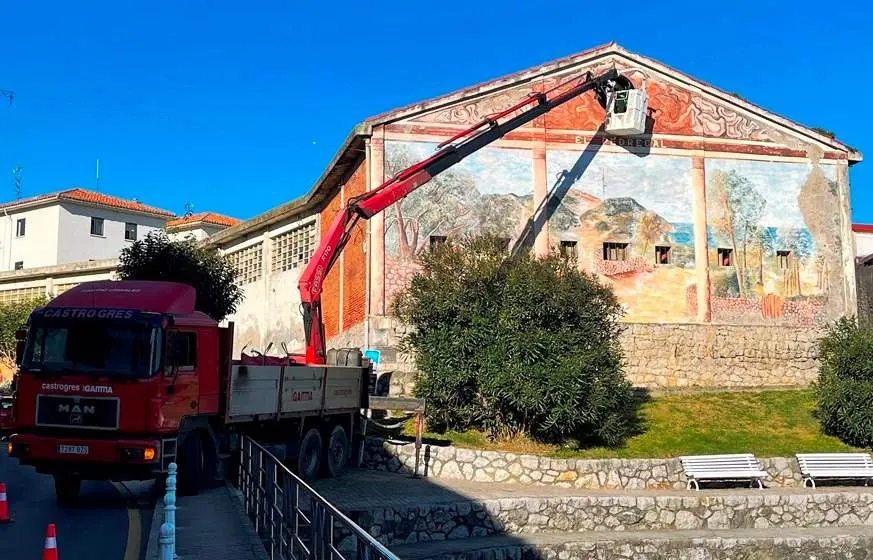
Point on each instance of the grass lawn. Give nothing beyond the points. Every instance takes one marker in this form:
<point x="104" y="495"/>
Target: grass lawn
<point x="767" y="423"/>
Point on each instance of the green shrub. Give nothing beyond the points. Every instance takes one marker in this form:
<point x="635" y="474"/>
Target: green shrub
<point x="844" y="389"/>
<point x="12" y="316"/>
<point x="522" y="346"/>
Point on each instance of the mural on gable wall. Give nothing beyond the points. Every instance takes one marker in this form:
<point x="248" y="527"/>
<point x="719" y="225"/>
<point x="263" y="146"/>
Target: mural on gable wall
<point x="641" y="201"/>
<point x="778" y="219"/>
<point x="772" y="237"/>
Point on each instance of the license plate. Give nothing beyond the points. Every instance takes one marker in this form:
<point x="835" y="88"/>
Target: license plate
<point x="73" y="449"/>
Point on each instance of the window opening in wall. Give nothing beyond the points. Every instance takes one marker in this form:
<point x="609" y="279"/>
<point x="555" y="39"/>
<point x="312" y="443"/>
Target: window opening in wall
<point x="22" y="294"/>
<point x="130" y="231"/>
<point x="725" y="257"/>
<point x="97" y="226"/>
<point x="783" y="257"/>
<point x="19" y="227"/>
<point x="663" y="254"/>
<point x="19" y="265"/>
<point x="614" y="251"/>
<point x="567" y="249"/>
<point x="437" y="240"/>
<point x="248" y="263"/>
<point x="293" y="248"/>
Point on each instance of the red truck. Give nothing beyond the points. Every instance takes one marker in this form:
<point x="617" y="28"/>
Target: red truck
<point x="6" y="402"/>
<point x="118" y="379"/>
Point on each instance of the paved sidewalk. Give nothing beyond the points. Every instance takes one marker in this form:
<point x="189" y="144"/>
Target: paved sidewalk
<point x="211" y="525"/>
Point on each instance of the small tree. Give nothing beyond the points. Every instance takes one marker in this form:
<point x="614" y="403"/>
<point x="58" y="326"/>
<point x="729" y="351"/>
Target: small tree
<point x="156" y="257"/>
<point x="844" y="389"/>
<point x="12" y="316"/>
<point x="522" y="346"/>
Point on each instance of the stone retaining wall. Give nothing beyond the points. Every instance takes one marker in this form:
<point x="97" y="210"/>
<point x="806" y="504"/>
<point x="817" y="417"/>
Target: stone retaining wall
<point x="805" y="547"/>
<point x="627" y="512"/>
<point x="663" y="356"/>
<point x="493" y="466"/>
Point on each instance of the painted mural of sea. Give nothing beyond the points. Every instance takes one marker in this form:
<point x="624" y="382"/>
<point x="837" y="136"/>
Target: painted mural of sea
<point x="682" y="234"/>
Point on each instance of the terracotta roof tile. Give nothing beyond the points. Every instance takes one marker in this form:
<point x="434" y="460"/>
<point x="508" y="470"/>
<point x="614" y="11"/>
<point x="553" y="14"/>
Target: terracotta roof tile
<point x="91" y="197"/>
<point x="204" y="218"/>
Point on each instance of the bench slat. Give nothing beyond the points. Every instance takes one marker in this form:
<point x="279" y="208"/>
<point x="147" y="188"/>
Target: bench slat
<point x="835" y="465"/>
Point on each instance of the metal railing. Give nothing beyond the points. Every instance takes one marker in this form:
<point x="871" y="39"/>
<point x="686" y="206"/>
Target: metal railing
<point x="292" y="519"/>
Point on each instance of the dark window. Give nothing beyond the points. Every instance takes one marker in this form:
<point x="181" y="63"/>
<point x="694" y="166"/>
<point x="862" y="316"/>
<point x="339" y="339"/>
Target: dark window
<point x="663" y="254"/>
<point x="97" y="226"/>
<point x="725" y="257"/>
<point x="130" y="231"/>
<point x="184" y="349"/>
<point x="615" y="251"/>
<point x="19" y="265"/>
<point x="568" y="249"/>
<point x="437" y="240"/>
<point x="620" y="105"/>
<point x="783" y="258"/>
<point x="19" y="227"/>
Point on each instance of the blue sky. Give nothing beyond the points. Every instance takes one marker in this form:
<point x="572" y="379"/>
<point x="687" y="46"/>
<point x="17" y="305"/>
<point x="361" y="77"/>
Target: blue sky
<point x="238" y="107"/>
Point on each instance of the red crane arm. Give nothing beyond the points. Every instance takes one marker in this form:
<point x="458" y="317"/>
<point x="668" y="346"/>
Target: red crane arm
<point x="378" y="199"/>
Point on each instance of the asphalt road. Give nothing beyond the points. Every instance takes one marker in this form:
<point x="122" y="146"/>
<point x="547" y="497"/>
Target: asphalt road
<point x="110" y="521"/>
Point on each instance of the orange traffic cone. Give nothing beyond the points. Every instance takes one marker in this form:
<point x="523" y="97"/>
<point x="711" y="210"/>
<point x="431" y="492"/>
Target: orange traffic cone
<point x="50" y="550"/>
<point x="4" y="505"/>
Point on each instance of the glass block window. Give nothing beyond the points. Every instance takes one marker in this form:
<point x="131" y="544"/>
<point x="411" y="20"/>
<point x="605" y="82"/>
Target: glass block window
<point x="293" y="248"/>
<point x="22" y="294"/>
<point x="249" y="264"/>
<point x="61" y="288"/>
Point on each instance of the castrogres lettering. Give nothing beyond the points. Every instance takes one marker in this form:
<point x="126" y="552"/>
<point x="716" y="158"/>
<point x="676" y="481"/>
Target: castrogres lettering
<point x="76" y="388"/>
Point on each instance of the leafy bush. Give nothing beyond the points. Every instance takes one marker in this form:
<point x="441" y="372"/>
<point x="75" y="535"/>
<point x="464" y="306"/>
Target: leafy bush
<point x="12" y="316"/>
<point x="844" y="389"/>
<point x="522" y="346"/>
<point x="156" y="257"/>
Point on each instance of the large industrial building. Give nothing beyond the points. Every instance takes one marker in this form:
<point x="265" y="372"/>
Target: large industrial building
<point x="725" y="231"/>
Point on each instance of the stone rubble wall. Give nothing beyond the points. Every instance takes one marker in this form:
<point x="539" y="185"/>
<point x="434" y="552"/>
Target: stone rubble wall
<point x="628" y="512"/>
<point x="664" y="356"/>
<point x="832" y="547"/>
<point x="493" y="466"/>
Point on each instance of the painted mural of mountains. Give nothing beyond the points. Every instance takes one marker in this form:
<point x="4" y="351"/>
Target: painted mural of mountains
<point x="621" y="217"/>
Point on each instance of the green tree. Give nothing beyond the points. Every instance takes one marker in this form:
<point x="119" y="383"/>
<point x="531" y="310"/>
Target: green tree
<point x="522" y="346"/>
<point x="844" y="389"/>
<point x="156" y="257"/>
<point x="12" y="316"/>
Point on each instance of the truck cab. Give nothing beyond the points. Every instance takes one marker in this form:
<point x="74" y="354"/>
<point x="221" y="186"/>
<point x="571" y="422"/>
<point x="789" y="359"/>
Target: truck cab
<point x="113" y="378"/>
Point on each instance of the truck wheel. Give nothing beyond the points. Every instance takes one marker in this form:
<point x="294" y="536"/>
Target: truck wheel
<point x="191" y="467"/>
<point x="67" y="488"/>
<point x="309" y="455"/>
<point x="337" y="451"/>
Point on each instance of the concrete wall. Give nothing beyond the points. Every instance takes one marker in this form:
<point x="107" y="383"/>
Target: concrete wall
<point x="863" y="243"/>
<point x="198" y="233"/>
<point x="270" y="311"/>
<point x="50" y="281"/>
<point x="76" y="242"/>
<point x="39" y="245"/>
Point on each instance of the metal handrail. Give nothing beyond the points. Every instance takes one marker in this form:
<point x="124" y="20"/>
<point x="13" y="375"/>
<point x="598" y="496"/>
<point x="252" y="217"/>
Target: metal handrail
<point x="293" y="520"/>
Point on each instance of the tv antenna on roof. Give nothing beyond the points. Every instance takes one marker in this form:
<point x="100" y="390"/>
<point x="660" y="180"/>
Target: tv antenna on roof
<point x="16" y="180"/>
<point x="97" y="175"/>
<point x="8" y="94"/>
<point x="189" y="209"/>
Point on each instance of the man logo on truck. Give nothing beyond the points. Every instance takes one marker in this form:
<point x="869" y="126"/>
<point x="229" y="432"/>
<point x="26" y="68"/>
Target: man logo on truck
<point x="78" y="409"/>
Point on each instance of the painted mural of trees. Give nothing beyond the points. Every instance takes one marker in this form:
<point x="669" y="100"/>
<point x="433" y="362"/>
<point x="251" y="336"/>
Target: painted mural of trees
<point x="737" y="211"/>
<point x="440" y="207"/>
<point x="650" y="229"/>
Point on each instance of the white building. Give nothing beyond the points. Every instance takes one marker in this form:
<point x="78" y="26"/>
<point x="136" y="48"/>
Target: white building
<point x="863" y="235"/>
<point x="198" y="226"/>
<point x="72" y="226"/>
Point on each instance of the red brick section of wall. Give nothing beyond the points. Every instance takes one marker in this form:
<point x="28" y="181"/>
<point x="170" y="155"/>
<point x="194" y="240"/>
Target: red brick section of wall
<point x="330" y="289"/>
<point x="354" y="266"/>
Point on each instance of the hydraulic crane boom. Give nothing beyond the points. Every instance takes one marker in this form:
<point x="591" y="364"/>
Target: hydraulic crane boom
<point x="406" y="181"/>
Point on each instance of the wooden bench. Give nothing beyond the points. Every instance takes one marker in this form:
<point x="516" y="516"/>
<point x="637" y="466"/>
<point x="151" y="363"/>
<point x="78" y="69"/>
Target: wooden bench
<point x="835" y="466"/>
<point x="722" y="467"/>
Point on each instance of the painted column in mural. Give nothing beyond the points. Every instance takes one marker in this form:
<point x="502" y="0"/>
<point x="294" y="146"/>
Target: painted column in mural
<point x="376" y="241"/>
<point x="701" y="247"/>
<point x="540" y="192"/>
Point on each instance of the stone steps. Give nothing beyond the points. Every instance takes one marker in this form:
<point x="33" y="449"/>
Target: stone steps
<point x="461" y="518"/>
<point x="820" y="543"/>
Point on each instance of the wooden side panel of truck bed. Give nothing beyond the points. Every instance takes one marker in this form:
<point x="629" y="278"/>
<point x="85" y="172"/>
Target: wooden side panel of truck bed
<point x="305" y="390"/>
